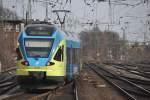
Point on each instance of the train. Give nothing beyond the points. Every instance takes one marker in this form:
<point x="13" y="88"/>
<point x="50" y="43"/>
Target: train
<point x="47" y="54"/>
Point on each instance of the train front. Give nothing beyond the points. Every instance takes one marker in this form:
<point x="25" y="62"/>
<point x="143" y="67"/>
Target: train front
<point x="35" y="61"/>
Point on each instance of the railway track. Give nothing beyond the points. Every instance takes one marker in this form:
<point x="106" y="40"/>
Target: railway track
<point x="51" y="94"/>
<point x="10" y="90"/>
<point x="25" y="96"/>
<point x="9" y="70"/>
<point x="143" y="69"/>
<point x="67" y="92"/>
<point x="7" y="81"/>
<point x="143" y="81"/>
<point x="138" y="69"/>
<point x="127" y="87"/>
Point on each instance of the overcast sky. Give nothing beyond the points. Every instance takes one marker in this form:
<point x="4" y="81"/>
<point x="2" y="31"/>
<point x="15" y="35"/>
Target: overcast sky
<point x="96" y="12"/>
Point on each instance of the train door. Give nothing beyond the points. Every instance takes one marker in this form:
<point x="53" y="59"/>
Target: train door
<point x="75" y="61"/>
<point x="69" y="67"/>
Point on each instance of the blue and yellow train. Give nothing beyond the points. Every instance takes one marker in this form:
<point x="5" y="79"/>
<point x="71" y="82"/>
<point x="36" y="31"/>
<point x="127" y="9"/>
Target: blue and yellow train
<point x="45" y="52"/>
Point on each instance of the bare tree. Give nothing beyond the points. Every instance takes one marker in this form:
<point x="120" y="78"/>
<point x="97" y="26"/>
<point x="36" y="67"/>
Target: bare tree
<point x="7" y="39"/>
<point x="100" y="46"/>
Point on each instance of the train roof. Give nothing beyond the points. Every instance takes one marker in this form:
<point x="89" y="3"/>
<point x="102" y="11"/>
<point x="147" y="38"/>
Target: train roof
<point x="70" y="35"/>
<point x="48" y="25"/>
<point x="65" y="34"/>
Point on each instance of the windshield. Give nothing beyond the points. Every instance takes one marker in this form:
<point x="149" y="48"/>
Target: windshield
<point x="38" y="47"/>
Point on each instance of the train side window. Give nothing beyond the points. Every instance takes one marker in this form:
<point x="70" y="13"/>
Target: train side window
<point x="68" y="56"/>
<point x="73" y="56"/>
<point x="59" y="54"/>
<point x="78" y="56"/>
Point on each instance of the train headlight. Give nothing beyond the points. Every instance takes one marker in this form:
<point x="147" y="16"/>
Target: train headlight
<point x="50" y="63"/>
<point x="25" y="63"/>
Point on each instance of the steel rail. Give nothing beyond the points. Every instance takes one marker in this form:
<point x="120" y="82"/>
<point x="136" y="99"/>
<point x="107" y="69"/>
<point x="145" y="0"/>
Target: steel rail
<point x="121" y="79"/>
<point x="114" y="84"/>
<point x="23" y="94"/>
<point x="40" y="96"/>
<point x="7" y="88"/>
<point x="134" y="80"/>
<point x="7" y="97"/>
<point x="9" y="69"/>
<point x="124" y="79"/>
<point x="75" y="90"/>
<point x="51" y="95"/>
<point x="138" y="72"/>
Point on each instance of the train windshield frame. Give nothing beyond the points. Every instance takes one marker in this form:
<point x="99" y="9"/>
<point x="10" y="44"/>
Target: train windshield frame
<point x="40" y="30"/>
<point x="35" y="49"/>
